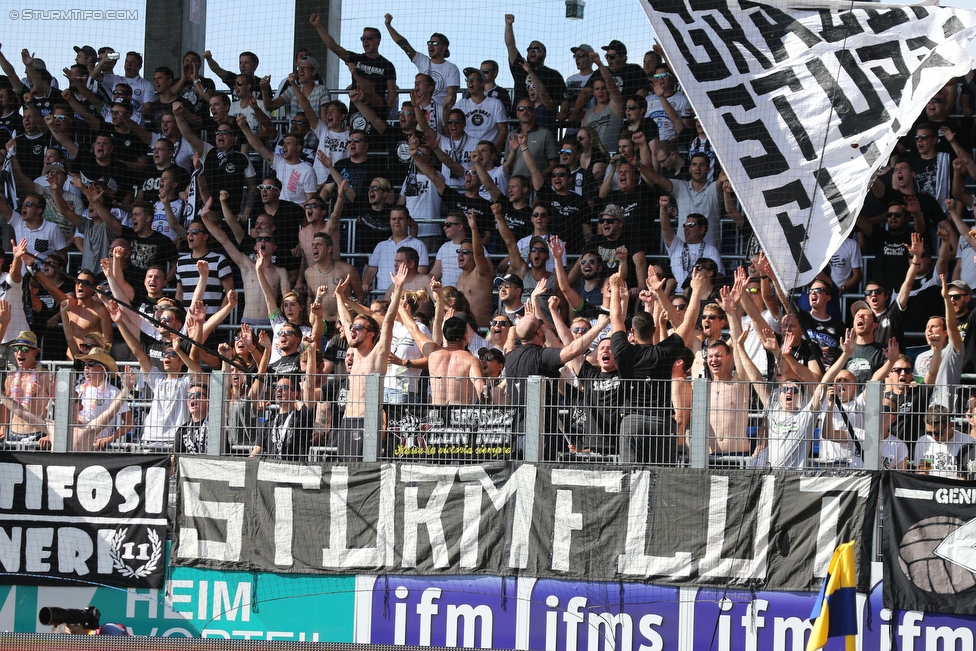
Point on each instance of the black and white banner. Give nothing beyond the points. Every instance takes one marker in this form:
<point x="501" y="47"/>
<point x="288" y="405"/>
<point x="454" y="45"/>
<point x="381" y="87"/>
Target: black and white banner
<point x="930" y="544"/>
<point x="768" y="529"/>
<point x="95" y="518"/>
<point x="802" y="102"/>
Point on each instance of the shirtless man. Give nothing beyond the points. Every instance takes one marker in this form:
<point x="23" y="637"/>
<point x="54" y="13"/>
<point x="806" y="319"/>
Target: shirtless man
<point x="728" y="413"/>
<point x="254" y="306"/>
<point x="372" y="344"/>
<point x="477" y="274"/>
<point x="328" y="272"/>
<point x="31" y="387"/>
<point x="455" y="374"/>
<point x="81" y="313"/>
<point x="315" y="216"/>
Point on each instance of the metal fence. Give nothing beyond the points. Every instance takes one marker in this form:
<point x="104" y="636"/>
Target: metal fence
<point x="697" y="423"/>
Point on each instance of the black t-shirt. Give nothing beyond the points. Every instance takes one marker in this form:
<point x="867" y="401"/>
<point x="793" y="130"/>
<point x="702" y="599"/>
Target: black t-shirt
<point x="866" y="359"/>
<point x="288" y="435"/>
<point x="372" y="227"/>
<point x="226" y="171"/>
<point x="399" y="161"/>
<point x="156" y="109"/>
<point x="127" y="148"/>
<point x="451" y="199"/>
<point x="9" y="124"/>
<point x="193" y="100"/>
<point x="150" y="184"/>
<point x="603" y="395"/>
<point x="891" y="324"/>
<point x="519" y="220"/>
<point x="640" y="215"/>
<point x="891" y="258"/>
<point x="377" y="71"/>
<point x="527" y="360"/>
<point x="359" y="175"/>
<point x="568" y="214"/>
<point x="288" y="221"/>
<point x="825" y="334"/>
<point x="155" y="248"/>
<point x="30" y="155"/>
<point x="629" y="79"/>
<point x="552" y="80"/>
<point x="90" y="169"/>
<point x="647" y="362"/>
<point x="607" y="248"/>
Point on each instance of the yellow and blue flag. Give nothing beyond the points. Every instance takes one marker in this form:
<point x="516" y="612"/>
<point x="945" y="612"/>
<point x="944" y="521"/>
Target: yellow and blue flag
<point x="835" y="612"/>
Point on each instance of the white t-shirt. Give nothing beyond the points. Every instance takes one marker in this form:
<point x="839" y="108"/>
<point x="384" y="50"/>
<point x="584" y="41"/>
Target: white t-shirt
<point x="297" y="180"/>
<point x="704" y="202"/>
<point x="143" y="91"/>
<point x="656" y="112"/>
<point x="846" y="259"/>
<point x="444" y="75"/>
<point x="424" y="206"/>
<point x="482" y="119"/>
<point x="403" y="346"/>
<point x="168" y="410"/>
<point x="95" y="401"/>
<point x="942" y="457"/>
<point x="790" y="433"/>
<point x="160" y="224"/>
<point x="46" y="238"/>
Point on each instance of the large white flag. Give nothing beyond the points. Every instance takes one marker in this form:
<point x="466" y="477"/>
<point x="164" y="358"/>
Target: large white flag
<point x="804" y="101"/>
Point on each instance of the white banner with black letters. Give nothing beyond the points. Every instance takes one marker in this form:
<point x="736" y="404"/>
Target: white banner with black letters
<point x="765" y="529"/>
<point x="803" y="102"/>
<point x="93" y="518"/>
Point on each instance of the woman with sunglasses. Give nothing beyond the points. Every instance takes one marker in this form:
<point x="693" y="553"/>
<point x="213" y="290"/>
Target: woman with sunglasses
<point x="593" y="156"/>
<point x="500" y="333"/>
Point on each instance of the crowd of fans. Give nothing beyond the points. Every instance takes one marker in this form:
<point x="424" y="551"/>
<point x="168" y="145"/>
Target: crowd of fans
<point x="456" y="243"/>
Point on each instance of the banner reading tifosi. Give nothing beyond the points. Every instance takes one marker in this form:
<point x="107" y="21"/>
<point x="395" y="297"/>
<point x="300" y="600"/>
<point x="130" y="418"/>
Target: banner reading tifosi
<point x="930" y="544"/>
<point x="774" y="530"/>
<point x="96" y="518"/>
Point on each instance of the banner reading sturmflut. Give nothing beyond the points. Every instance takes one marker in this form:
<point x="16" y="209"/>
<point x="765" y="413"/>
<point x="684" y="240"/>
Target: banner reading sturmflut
<point x="930" y="544"/>
<point x="802" y="102"/>
<point x="95" y="518"/>
<point x="767" y="529"/>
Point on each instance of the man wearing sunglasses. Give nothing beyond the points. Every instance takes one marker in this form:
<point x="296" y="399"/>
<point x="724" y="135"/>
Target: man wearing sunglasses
<point x="629" y="77"/>
<point x="446" y="76"/>
<point x="297" y="177"/>
<point x="485" y="116"/>
<point x="535" y="56"/>
<point x="823" y="328"/>
<point x="373" y="73"/>
<point x="668" y="106"/>
<point x="224" y="167"/>
<point x="219" y="280"/>
<point x="32" y="388"/>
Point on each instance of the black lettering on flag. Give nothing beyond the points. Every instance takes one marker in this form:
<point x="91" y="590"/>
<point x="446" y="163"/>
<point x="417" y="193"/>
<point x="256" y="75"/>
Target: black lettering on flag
<point x="792" y="192"/>
<point x="893" y="83"/>
<point x="952" y="26"/>
<point x="870" y="153"/>
<point x="833" y="32"/>
<point x="714" y="69"/>
<point x="775" y="81"/>
<point x="882" y="21"/>
<point x="796" y="237"/>
<point x="836" y="198"/>
<point x="734" y="38"/>
<point x="851" y="122"/>
<point x="678" y="7"/>
<point x="920" y="12"/>
<point x="782" y="24"/>
<point x="933" y="60"/>
<point x="735" y="96"/>
<point x="771" y="163"/>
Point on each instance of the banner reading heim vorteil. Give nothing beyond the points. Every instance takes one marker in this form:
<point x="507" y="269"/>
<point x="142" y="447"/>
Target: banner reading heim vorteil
<point x="769" y="529"/>
<point x="96" y="518"/>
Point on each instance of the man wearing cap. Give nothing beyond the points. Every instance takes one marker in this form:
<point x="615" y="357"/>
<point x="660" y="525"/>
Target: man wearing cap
<point x="579" y="87"/>
<point x="447" y="78"/>
<point x="510" y="302"/>
<point x="485" y="116"/>
<point x="629" y="77"/>
<point x="373" y="73"/>
<point x="29" y="386"/>
<point x="535" y="56"/>
<point x="42" y="236"/>
<point x="55" y="178"/>
<point x="492" y="366"/>
<point x="613" y="234"/>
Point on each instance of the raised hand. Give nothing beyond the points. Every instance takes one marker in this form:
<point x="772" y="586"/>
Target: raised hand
<point x="557" y="247"/>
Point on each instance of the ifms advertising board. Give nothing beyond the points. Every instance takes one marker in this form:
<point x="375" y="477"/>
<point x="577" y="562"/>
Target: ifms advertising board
<point x="479" y="612"/>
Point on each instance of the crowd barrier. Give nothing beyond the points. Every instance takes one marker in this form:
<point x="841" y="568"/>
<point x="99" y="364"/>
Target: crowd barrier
<point x="567" y="420"/>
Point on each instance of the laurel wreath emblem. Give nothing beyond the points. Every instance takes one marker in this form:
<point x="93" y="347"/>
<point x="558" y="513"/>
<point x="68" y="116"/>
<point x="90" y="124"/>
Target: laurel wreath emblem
<point x="143" y="570"/>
